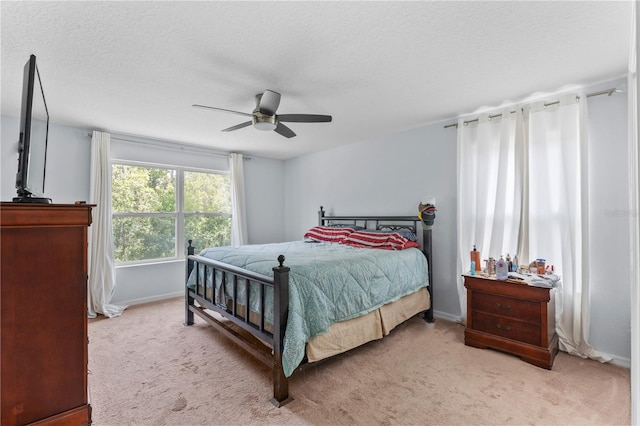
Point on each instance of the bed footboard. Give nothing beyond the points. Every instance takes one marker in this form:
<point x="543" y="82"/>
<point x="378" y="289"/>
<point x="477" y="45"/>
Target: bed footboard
<point x="255" y="336"/>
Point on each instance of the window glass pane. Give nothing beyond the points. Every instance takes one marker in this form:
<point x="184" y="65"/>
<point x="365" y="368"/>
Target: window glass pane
<point x="139" y="189"/>
<point x="142" y="238"/>
<point x="207" y="192"/>
<point x="207" y="231"/>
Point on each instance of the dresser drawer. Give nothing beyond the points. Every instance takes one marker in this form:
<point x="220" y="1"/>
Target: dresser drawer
<point x="506" y="327"/>
<point x="521" y="310"/>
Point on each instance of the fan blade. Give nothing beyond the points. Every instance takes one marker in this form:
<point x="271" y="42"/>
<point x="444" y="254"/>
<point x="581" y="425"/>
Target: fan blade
<point x="284" y="131"/>
<point x="237" y="126"/>
<point x="221" y="109"/>
<point x="304" y="118"/>
<point x="269" y="102"/>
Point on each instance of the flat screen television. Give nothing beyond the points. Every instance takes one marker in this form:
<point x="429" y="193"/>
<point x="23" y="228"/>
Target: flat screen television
<point x="34" y="134"/>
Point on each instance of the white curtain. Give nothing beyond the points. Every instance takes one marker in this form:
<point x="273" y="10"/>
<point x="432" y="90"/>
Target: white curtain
<point x="238" y="210"/>
<point x="558" y="222"/>
<point x="522" y="188"/>
<point x="489" y="199"/>
<point x="102" y="283"/>
<point x="634" y="217"/>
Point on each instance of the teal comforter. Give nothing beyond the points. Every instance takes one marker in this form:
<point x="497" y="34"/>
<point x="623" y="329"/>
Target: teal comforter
<point x="328" y="283"/>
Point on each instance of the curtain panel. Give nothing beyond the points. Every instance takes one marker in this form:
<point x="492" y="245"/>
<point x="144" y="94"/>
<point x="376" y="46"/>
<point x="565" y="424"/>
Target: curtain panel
<point x="101" y="283"/>
<point x="238" y="213"/>
<point x="489" y="197"/>
<point x="558" y="207"/>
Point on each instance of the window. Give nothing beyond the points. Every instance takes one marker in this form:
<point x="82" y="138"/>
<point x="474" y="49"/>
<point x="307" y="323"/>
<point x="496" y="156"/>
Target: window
<point x="156" y="209"/>
<point x="207" y="208"/>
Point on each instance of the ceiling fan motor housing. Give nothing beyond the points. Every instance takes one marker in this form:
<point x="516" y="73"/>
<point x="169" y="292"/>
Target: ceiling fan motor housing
<point x="264" y="122"/>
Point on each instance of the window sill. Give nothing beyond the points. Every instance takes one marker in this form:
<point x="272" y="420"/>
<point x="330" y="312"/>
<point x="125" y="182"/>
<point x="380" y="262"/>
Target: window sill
<point x="150" y="263"/>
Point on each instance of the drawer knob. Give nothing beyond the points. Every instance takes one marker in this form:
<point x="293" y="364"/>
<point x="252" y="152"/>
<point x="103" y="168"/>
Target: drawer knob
<point x="507" y="307"/>
<point x="506" y="328"/>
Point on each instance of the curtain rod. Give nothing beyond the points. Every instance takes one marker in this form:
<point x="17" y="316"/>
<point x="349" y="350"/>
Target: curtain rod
<point x="608" y="92"/>
<point x="175" y="146"/>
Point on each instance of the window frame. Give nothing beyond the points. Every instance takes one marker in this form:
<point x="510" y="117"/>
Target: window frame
<point x="178" y="214"/>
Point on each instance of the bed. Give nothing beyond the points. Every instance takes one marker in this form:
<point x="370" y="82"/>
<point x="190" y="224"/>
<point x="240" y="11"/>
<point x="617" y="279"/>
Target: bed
<point x="303" y="301"/>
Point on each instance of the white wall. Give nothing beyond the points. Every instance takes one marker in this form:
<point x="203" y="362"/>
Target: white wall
<point x="392" y="174"/>
<point x="610" y="327"/>
<point x="265" y="200"/>
<point x="68" y="155"/>
<point x="388" y="176"/>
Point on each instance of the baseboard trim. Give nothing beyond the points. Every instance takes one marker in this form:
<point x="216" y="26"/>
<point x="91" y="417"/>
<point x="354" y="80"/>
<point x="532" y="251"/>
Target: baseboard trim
<point x="154" y="298"/>
<point x="620" y="362"/>
<point x="446" y="316"/>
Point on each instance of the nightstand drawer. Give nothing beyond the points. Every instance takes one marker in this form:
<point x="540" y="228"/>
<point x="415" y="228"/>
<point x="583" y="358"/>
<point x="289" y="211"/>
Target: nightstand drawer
<point x="506" y="327"/>
<point x="521" y="310"/>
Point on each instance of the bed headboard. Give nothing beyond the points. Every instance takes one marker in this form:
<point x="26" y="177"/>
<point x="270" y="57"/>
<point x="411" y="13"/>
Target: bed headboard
<point x="385" y="223"/>
<point x="391" y="223"/>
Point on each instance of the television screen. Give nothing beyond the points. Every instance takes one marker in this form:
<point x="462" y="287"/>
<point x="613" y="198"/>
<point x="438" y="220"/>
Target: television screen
<point x="34" y="132"/>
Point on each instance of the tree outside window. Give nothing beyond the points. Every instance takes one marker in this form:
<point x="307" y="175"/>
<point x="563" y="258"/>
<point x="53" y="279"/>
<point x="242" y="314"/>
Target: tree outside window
<point x="155" y="207"/>
<point x="207" y="209"/>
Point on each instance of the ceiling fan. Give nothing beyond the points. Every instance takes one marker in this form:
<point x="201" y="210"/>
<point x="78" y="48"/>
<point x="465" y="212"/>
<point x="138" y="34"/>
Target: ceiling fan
<point x="264" y="115"/>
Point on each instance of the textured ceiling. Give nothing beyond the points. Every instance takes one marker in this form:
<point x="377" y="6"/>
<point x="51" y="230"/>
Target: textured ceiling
<point x="376" y="67"/>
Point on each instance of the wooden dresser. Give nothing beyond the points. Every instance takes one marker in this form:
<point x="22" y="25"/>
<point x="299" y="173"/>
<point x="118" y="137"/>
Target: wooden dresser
<point x="512" y="317"/>
<point x="43" y="335"/>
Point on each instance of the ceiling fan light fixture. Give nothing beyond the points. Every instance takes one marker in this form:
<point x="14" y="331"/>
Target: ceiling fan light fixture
<point x="264" y="122"/>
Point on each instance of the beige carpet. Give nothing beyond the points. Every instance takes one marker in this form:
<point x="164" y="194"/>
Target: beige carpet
<point x="146" y="368"/>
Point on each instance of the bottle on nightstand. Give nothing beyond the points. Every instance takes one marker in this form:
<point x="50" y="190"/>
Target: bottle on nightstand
<point x="475" y="257"/>
<point x="502" y="269"/>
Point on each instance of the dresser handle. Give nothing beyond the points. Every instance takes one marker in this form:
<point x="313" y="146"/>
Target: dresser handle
<point x="506" y="307"/>
<point x="506" y="328"/>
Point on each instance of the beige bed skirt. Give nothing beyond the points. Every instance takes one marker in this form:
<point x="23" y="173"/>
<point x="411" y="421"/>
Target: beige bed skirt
<point x="346" y="335"/>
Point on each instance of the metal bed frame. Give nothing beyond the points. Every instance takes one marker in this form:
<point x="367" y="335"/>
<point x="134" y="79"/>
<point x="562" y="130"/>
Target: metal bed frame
<point x="256" y="338"/>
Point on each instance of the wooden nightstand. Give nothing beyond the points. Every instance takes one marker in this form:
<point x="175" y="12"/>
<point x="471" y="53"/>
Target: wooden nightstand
<point x="513" y="317"/>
